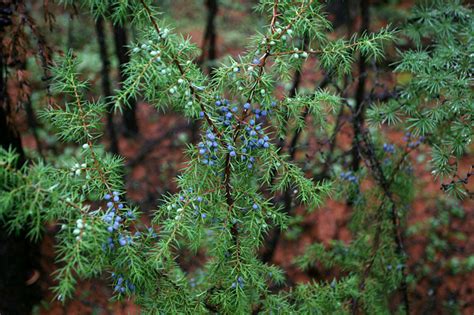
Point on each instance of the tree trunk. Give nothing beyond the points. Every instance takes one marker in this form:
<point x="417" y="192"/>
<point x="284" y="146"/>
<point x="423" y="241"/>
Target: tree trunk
<point x="99" y="26"/>
<point x="15" y="251"/>
<point x="359" y="111"/>
<point x="129" y="112"/>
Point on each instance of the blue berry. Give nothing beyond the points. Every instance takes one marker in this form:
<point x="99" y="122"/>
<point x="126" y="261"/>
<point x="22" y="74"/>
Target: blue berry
<point x="389" y="148"/>
<point x="107" y="197"/>
<point x="210" y="136"/>
<point x="247" y="105"/>
<point x="122" y="241"/>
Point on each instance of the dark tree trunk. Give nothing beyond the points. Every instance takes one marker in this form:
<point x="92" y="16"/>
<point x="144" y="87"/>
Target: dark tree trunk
<point x="99" y="26"/>
<point x="31" y="116"/>
<point x="359" y="111"/>
<point x="129" y="112"/>
<point x="211" y="35"/>
<point x="209" y="43"/>
<point x="16" y="252"/>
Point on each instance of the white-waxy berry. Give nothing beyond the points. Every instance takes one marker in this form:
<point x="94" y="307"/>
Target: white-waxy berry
<point x="304" y="54"/>
<point x="180" y="81"/>
<point x="85" y="146"/>
<point x="79" y="224"/>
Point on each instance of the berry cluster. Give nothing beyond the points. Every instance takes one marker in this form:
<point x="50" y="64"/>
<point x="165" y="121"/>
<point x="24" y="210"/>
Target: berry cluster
<point x="208" y="148"/>
<point x="253" y="138"/>
<point x="114" y="220"/>
<point x="349" y="176"/>
<point x="149" y="45"/>
<point x="122" y="284"/>
<point x="413" y="143"/>
<point x="239" y="282"/>
<point x="389" y="148"/>
<point x="150" y="50"/>
<point x="189" y="201"/>
<point x="76" y="169"/>
<point x="198" y="199"/>
<point x="79" y="230"/>
<point x="225" y="114"/>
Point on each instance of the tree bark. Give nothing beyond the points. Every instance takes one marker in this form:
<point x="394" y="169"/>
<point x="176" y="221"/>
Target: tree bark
<point x="129" y="112"/>
<point x="16" y="252"/>
<point x="99" y="26"/>
<point x="359" y="111"/>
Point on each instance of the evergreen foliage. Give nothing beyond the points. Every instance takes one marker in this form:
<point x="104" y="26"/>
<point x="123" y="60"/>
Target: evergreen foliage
<point x="227" y="199"/>
<point x="437" y="101"/>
